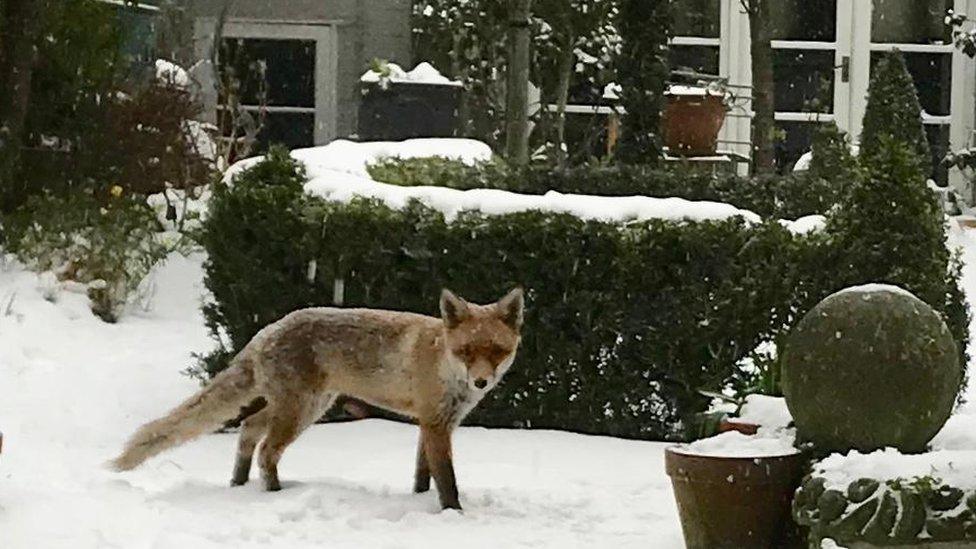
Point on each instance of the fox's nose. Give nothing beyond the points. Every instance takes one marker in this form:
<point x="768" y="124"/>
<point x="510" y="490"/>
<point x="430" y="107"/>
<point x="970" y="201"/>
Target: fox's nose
<point x="481" y="383"/>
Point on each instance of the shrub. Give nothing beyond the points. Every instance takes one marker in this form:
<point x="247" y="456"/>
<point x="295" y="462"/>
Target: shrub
<point x="625" y="322"/>
<point x="893" y="110"/>
<point x="255" y="237"/>
<point x="110" y="245"/>
<point x="773" y="196"/>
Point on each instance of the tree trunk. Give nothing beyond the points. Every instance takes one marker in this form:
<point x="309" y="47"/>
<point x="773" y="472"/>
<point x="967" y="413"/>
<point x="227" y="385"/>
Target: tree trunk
<point x="763" y="107"/>
<point x="562" y="98"/>
<point x="22" y="22"/>
<point x="517" y="83"/>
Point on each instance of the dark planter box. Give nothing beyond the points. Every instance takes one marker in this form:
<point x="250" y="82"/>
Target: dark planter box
<point x="407" y="110"/>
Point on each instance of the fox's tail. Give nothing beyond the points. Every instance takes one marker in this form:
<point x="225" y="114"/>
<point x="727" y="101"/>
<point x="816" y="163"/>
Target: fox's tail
<point x="203" y="412"/>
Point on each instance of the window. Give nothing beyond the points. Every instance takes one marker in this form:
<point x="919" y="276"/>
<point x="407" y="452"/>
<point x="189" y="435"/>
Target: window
<point x="278" y="77"/>
<point x="917" y="28"/>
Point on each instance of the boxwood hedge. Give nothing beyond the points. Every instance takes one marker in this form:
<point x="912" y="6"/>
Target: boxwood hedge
<point x="775" y="196"/>
<point x="624" y="322"/>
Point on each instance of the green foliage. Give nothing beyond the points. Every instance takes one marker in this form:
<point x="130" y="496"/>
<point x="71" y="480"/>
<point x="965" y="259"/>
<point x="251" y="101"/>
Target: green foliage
<point x="642" y="72"/>
<point x="92" y="123"/>
<point x="788" y="197"/>
<point x="255" y="236"/>
<point x="467" y="42"/>
<point x="108" y="244"/>
<point x="893" y="110"/>
<point x="890" y="228"/>
<point x="832" y="159"/>
<point x="899" y="512"/>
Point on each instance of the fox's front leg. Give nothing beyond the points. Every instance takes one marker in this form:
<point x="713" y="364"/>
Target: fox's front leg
<point x="421" y="479"/>
<point x="436" y="441"/>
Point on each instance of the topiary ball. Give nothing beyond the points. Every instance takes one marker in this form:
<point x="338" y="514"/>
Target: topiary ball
<point x="870" y="367"/>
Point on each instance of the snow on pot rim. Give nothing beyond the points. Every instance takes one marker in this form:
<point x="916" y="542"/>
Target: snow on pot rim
<point x="735" y="445"/>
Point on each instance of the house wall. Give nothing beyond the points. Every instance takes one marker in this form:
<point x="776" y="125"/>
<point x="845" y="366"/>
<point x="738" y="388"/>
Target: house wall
<point x="364" y="29"/>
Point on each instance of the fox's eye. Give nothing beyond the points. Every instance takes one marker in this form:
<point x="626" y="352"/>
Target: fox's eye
<point x="497" y="354"/>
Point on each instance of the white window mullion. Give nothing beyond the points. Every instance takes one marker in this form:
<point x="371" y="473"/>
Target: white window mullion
<point x="963" y="105"/>
<point x="842" y="64"/>
<point x="860" y="66"/>
<point x="735" y="64"/>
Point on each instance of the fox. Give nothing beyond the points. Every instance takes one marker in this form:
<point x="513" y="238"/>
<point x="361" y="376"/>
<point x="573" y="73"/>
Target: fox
<point x="432" y="370"/>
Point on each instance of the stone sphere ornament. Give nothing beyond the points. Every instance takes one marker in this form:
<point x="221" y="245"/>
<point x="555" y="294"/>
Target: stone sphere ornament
<point x="870" y="367"/>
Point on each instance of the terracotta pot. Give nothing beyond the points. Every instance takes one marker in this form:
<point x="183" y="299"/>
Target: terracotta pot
<point x="692" y="123"/>
<point x="733" y="424"/>
<point x="740" y="503"/>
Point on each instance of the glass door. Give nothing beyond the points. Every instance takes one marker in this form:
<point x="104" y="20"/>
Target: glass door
<point x="917" y="28"/>
<point x="804" y="51"/>
<point x="823" y="53"/>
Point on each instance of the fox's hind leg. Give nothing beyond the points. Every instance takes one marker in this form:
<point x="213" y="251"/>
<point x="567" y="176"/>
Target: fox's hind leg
<point x="286" y="421"/>
<point x="252" y="429"/>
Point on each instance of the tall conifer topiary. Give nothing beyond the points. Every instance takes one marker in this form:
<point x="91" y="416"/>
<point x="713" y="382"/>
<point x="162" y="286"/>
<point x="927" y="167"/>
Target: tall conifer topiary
<point x="893" y="109"/>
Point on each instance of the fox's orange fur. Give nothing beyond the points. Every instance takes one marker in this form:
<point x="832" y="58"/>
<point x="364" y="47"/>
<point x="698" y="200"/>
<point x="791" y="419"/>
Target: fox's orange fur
<point x="432" y="369"/>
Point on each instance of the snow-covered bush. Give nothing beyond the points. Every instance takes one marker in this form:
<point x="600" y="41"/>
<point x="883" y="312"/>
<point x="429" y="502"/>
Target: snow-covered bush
<point x="788" y="196"/>
<point x="107" y="244"/>
<point x="893" y="109"/>
<point x="625" y="321"/>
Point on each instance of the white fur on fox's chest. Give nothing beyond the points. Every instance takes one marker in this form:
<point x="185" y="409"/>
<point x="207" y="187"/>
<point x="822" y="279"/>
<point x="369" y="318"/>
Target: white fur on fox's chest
<point x="459" y="398"/>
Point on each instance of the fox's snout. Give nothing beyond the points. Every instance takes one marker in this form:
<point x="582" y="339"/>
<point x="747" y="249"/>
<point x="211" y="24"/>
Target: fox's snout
<point x="481" y="383"/>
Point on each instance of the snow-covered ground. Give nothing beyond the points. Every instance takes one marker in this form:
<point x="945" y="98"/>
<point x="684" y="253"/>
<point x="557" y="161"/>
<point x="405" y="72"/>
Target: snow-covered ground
<point x="72" y="388"/>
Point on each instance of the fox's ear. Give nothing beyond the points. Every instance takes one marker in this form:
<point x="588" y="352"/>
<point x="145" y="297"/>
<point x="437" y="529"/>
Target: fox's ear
<point x="510" y="308"/>
<point x="454" y="310"/>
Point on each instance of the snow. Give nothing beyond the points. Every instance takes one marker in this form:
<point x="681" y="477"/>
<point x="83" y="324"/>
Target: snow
<point x="337" y="172"/>
<point x="75" y="388"/>
<point x="954" y="467"/>
<point x="170" y="73"/>
<point x="734" y="444"/>
<point x="679" y="89"/>
<point x="876" y="289"/>
<point x="766" y="411"/>
<point x="806" y="225"/>
<point x="803" y="163"/>
<point x="423" y="73"/>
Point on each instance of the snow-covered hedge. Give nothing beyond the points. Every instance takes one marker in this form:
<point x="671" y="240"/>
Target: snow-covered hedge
<point x="634" y="303"/>
<point x="770" y="196"/>
<point x="630" y="311"/>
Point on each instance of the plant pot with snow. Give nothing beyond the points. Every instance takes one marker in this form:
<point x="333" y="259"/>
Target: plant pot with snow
<point x="735" y="491"/>
<point x="693" y="117"/>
